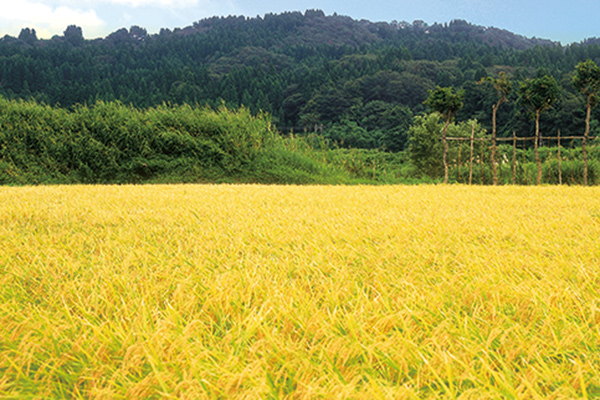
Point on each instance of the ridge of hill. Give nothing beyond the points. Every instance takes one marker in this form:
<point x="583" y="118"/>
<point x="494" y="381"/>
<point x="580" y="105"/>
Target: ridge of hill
<point x="312" y="28"/>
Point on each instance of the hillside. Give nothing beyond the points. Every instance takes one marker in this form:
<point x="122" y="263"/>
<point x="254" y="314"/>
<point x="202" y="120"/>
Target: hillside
<point x="358" y="83"/>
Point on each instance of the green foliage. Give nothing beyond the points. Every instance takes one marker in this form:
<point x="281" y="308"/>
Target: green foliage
<point x="445" y="101"/>
<point x="349" y="134"/>
<point x="426" y="149"/>
<point x="539" y="94"/>
<point x="587" y="81"/>
<point x="373" y="166"/>
<point x="503" y="86"/>
<point x="111" y="142"/>
<point x="386" y="122"/>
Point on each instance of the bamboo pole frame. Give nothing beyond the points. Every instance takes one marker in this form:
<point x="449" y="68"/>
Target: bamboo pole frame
<point x="514" y="139"/>
<point x="519" y="138"/>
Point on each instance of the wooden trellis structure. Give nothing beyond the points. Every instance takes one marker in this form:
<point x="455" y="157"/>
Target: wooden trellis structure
<point x="514" y="139"/>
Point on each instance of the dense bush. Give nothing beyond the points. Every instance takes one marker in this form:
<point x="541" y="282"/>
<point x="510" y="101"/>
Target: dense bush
<point x="114" y="143"/>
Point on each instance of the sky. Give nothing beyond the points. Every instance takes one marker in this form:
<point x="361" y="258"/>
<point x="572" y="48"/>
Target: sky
<point x="558" y="20"/>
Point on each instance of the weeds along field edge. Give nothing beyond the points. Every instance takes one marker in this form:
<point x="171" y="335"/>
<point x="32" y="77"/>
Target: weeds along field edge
<point x="231" y="291"/>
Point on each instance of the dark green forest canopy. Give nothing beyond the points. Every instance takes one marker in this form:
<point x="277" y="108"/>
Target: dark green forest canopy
<point x="359" y="83"/>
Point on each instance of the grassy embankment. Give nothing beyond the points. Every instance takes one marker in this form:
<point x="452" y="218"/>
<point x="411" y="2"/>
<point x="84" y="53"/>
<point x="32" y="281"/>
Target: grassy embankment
<point x="187" y="291"/>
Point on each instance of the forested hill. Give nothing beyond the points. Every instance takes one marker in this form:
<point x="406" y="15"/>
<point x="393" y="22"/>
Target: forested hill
<point x="359" y="82"/>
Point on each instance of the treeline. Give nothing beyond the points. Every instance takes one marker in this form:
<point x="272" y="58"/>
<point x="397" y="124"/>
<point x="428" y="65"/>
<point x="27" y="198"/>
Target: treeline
<point x="356" y="83"/>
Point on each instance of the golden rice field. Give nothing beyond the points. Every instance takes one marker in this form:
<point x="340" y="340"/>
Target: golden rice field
<point x="315" y="292"/>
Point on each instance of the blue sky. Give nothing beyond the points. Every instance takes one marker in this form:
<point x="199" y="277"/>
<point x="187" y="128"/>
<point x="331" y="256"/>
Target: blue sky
<point x="564" y="21"/>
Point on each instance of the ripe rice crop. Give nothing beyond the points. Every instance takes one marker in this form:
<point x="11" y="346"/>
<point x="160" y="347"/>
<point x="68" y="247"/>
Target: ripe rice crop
<point x="199" y="291"/>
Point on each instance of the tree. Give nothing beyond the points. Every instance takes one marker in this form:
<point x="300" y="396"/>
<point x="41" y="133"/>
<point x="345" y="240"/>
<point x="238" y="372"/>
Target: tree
<point x="74" y="35"/>
<point x="503" y="87"/>
<point x="587" y="81"/>
<point x="538" y="95"/>
<point x="390" y="120"/>
<point x="447" y="103"/>
<point x="424" y="146"/>
<point x="28" y="36"/>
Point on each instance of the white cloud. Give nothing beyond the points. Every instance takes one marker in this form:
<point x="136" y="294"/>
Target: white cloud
<point x="46" y="20"/>
<point x="150" y="3"/>
<point x="160" y="3"/>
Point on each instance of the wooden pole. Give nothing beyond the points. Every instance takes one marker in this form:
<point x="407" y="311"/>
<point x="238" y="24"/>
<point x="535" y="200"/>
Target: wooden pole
<point x="459" y="151"/>
<point x="540" y="167"/>
<point x="584" y="146"/>
<point x="494" y="172"/>
<point x="446" y="151"/>
<point x="481" y="162"/>
<point x="559" y="161"/>
<point x="514" y="162"/>
<point x="537" y="145"/>
<point x="525" y="180"/>
<point x="471" y="159"/>
<point x="572" y="169"/>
